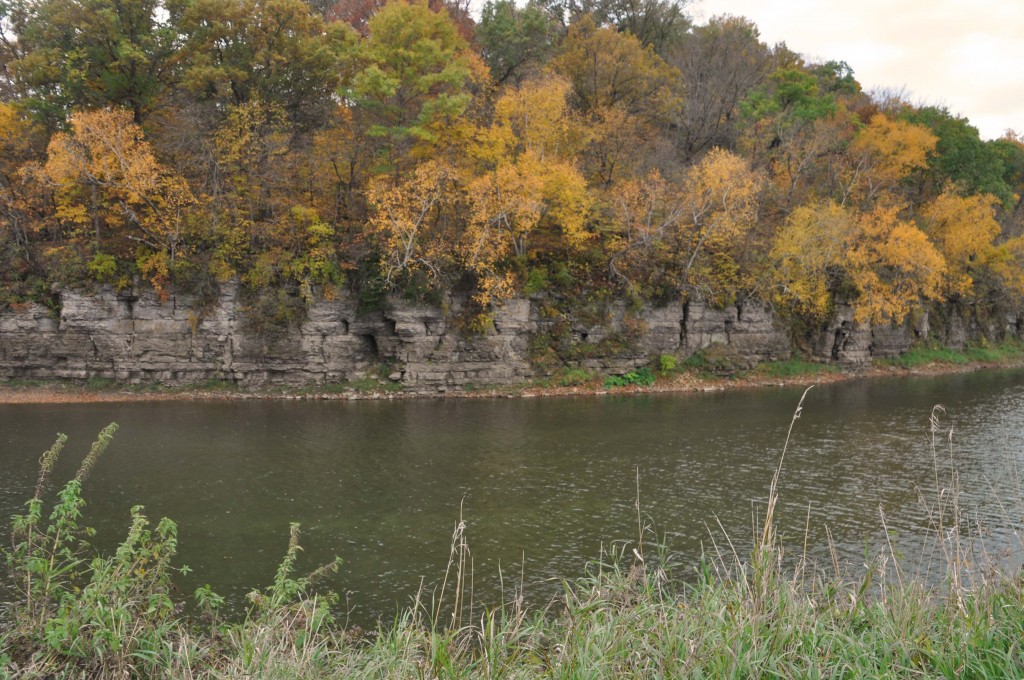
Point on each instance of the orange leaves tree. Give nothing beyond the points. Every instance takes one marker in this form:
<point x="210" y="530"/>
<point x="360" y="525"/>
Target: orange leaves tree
<point x="695" y="235"/>
<point x="893" y="265"/>
<point x="625" y="91"/>
<point x="115" y="200"/>
<point x="884" y="154"/>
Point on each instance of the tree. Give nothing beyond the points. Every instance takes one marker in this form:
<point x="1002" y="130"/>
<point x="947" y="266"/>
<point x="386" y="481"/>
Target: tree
<point x="719" y="204"/>
<point x="884" y="264"/>
<point x="116" y="197"/>
<point x="515" y="41"/>
<point x="809" y="258"/>
<point x="90" y="53"/>
<point x="275" y="51"/>
<point x="893" y="266"/>
<point x="964" y="230"/>
<point x="961" y="156"/>
<point x="410" y="220"/>
<point x="882" y="155"/>
<point x="721" y="63"/>
<point x="660" y="24"/>
<point x="527" y="182"/>
<point x="610" y="69"/>
<point x="416" y="79"/>
<point x="645" y="214"/>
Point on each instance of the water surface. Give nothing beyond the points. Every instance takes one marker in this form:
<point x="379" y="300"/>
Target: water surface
<point x="542" y="484"/>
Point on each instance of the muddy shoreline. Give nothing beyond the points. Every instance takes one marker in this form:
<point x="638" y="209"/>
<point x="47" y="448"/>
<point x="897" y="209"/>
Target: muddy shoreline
<point x="57" y="393"/>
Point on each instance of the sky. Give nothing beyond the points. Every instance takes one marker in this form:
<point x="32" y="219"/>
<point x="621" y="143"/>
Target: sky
<point x="966" y="55"/>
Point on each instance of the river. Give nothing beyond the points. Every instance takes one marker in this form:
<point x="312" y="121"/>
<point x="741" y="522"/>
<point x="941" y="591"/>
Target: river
<point x="543" y="485"/>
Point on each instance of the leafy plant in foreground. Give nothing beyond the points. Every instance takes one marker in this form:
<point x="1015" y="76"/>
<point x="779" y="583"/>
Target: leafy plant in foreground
<point x="105" y="616"/>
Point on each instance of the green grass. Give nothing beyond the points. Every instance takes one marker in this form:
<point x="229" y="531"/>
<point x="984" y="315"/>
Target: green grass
<point x="793" y="368"/>
<point x="1007" y="352"/>
<point x="83" y="614"/>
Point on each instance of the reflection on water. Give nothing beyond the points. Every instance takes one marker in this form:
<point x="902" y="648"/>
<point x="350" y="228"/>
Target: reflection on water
<point x="542" y="484"/>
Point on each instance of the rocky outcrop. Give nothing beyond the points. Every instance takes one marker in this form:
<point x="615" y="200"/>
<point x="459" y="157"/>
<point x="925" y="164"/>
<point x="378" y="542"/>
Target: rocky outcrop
<point x="137" y="338"/>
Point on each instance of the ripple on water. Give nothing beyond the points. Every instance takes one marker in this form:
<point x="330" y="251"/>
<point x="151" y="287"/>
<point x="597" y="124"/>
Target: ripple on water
<point x="542" y="485"/>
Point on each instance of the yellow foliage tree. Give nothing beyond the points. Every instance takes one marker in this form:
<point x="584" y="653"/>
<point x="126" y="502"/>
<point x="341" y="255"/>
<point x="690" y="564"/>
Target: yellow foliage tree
<point x="1007" y="264"/>
<point x="893" y="266"/>
<point x="644" y="213"/>
<point x="882" y="154"/>
<point x="964" y="229"/>
<point x="409" y="220"/>
<point x="534" y="118"/>
<point x="719" y="199"/>
<point x="526" y="181"/>
<point x="15" y="153"/>
<point x="809" y="257"/>
<point x="114" y="193"/>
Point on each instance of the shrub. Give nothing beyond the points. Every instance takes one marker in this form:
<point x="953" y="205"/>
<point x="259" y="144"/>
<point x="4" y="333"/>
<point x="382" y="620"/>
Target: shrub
<point x="643" y="377"/>
<point x="667" y="363"/>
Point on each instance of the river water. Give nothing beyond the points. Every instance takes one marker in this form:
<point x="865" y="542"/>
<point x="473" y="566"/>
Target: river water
<point x="543" y="485"/>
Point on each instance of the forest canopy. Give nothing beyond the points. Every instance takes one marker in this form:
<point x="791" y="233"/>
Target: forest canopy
<point x="588" y="150"/>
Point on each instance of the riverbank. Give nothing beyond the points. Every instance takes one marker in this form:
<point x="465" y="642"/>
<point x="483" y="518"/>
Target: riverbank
<point x="699" y="378"/>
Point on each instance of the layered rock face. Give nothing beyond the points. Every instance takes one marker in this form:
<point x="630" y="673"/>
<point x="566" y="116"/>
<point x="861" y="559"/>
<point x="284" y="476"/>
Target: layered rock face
<point x="140" y="339"/>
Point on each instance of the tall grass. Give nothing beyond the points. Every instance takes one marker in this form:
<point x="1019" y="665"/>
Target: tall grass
<point x="629" y="616"/>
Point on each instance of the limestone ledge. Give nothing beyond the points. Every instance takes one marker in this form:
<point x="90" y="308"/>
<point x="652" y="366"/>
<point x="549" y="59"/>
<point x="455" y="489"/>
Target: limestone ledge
<point x="137" y="338"/>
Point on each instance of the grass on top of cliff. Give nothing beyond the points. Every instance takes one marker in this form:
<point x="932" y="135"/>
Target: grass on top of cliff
<point x="1008" y="352"/>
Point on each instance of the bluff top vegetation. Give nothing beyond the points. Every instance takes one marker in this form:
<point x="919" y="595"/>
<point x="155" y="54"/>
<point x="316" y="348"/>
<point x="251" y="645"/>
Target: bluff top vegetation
<point x="587" y="149"/>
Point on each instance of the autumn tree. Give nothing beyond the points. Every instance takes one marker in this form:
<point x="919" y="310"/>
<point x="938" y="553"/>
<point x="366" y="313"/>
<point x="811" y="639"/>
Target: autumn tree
<point x="357" y="13"/>
<point x="963" y="230"/>
<point x="415" y="81"/>
<point x="610" y="69"/>
<point x="877" y="260"/>
<point x="893" y="266"/>
<point x="645" y="215"/>
<point x="23" y="203"/>
<point x="116" y="198"/>
<point x="527" y="182"/>
<point x="719" y="203"/>
<point x="721" y="63"/>
<point x="627" y="93"/>
<point x="659" y="24"/>
<point x="275" y="51"/>
<point x="882" y="155"/>
<point x="793" y="96"/>
<point x="809" y="258"/>
<point x="411" y="220"/>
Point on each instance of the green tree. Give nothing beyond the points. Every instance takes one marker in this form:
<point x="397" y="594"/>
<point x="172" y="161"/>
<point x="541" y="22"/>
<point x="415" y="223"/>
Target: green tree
<point x="89" y="53"/>
<point x="275" y="51"/>
<point x="961" y="156"/>
<point x="660" y="24"/>
<point x="415" y="79"/>
<point x="515" y="41"/>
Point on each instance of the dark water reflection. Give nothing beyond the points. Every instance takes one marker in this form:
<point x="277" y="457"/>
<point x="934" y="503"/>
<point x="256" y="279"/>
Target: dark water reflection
<point x="542" y="484"/>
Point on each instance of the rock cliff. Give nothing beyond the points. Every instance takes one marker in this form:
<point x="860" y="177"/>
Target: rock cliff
<point x="137" y="338"/>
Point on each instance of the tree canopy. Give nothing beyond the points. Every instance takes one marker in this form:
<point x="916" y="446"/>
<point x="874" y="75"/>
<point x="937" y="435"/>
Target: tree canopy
<point x="579" y="149"/>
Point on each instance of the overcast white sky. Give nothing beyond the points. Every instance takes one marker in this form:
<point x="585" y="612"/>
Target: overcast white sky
<point x="966" y="55"/>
